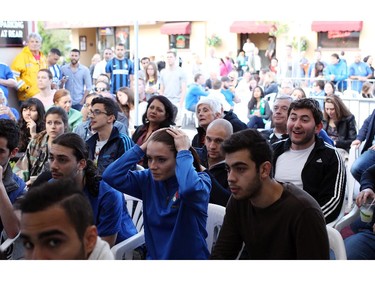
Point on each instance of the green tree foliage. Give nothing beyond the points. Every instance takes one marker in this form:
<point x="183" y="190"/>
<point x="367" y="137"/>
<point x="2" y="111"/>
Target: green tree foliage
<point x="59" y="38"/>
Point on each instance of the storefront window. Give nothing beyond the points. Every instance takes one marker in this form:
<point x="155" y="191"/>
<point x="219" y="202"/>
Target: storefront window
<point x="106" y="38"/>
<point x="338" y="39"/>
<point x="181" y="41"/>
<point x="122" y="36"/>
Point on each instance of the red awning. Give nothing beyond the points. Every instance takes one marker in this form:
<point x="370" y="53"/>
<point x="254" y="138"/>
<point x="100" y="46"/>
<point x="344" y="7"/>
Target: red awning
<point x="251" y="27"/>
<point x="325" y="26"/>
<point x="176" y="28"/>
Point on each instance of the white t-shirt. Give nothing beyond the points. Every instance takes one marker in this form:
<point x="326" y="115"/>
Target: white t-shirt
<point x="289" y="165"/>
<point x="99" y="146"/>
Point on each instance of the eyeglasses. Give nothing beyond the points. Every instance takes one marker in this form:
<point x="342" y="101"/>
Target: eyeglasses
<point x="96" y="112"/>
<point x="96" y="89"/>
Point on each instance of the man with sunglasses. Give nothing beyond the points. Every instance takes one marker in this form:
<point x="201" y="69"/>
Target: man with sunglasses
<point x="107" y="144"/>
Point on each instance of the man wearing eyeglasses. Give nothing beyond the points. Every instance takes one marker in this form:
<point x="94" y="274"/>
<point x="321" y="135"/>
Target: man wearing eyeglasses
<point x="107" y="144"/>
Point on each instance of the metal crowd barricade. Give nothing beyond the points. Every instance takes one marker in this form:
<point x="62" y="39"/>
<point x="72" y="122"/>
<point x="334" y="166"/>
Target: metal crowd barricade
<point x="360" y="107"/>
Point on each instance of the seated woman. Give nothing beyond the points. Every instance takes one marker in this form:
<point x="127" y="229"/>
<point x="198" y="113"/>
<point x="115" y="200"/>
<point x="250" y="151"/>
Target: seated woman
<point x="31" y="122"/>
<point x="125" y="101"/>
<point x="259" y="110"/>
<point x="35" y="159"/>
<point x="175" y="194"/>
<point x="339" y="123"/>
<point x="63" y="99"/>
<point x="159" y="114"/>
<point x="298" y="93"/>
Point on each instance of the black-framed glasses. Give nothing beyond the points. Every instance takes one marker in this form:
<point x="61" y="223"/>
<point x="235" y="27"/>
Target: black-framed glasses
<point x="97" y="89"/>
<point x="96" y="112"/>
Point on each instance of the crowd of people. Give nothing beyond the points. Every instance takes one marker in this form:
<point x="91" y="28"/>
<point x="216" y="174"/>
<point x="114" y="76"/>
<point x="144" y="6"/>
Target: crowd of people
<point x="265" y="148"/>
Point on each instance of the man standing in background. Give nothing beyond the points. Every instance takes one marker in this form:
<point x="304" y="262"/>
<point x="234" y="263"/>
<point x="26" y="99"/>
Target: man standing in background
<point x="173" y="84"/>
<point x="77" y="79"/>
<point x="100" y="66"/>
<point x="52" y="59"/>
<point x="26" y="65"/>
<point x="120" y="69"/>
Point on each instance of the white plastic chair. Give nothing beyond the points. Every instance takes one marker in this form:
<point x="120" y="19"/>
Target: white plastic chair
<point x="215" y="219"/>
<point x="135" y="210"/>
<point x="270" y="98"/>
<point x="348" y="219"/>
<point x="352" y="184"/>
<point x="336" y="243"/>
<point x="11" y="248"/>
<point x="125" y="249"/>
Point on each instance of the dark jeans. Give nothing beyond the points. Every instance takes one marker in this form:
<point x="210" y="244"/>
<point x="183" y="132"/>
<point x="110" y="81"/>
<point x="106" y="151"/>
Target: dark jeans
<point x="256" y="122"/>
<point x="365" y="160"/>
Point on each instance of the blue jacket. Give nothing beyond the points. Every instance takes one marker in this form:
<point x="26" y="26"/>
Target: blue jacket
<point x="110" y="213"/>
<point x="367" y="131"/>
<point x="193" y="95"/>
<point x="116" y="145"/>
<point x="14" y="186"/>
<point x="340" y="70"/>
<point x="174" y="211"/>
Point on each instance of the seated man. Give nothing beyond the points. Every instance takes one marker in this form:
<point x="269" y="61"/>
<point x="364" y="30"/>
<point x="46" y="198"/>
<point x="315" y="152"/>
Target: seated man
<point x="107" y="144"/>
<point x="57" y="223"/>
<point x="12" y="187"/>
<point x="279" y="120"/>
<point x="261" y="209"/>
<point x="212" y="157"/>
<point x="367" y="158"/>
<point x="361" y="245"/>
<point x="209" y="109"/>
<point x="305" y="160"/>
<point x="68" y="159"/>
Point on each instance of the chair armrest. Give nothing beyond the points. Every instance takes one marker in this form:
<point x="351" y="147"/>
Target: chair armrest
<point x="124" y="249"/>
<point x="348" y="219"/>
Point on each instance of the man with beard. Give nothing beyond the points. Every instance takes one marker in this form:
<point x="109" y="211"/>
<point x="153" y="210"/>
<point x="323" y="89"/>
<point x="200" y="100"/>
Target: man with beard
<point x="120" y="69"/>
<point x="273" y="220"/>
<point x="57" y="223"/>
<point x="68" y="158"/>
<point x="308" y="162"/>
<point x="76" y="79"/>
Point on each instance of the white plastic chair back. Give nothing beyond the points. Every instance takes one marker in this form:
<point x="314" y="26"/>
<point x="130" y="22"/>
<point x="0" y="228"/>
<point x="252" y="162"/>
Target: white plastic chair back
<point x="215" y="219"/>
<point x="135" y="210"/>
<point x="336" y="243"/>
<point x="125" y="249"/>
<point x="270" y="98"/>
<point x="348" y="219"/>
<point x="10" y="248"/>
<point x="352" y="184"/>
